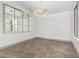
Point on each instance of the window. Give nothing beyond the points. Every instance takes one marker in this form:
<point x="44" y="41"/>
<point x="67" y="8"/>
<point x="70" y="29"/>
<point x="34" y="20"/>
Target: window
<point x="8" y="19"/>
<point x="30" y="22"/>
<point x="15" y="20"/>
<point x="18" y="20"/>
<point x="25" y="22"/>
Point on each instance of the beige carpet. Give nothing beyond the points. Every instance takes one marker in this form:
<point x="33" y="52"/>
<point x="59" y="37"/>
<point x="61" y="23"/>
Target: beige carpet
<point x="40" y="48"/>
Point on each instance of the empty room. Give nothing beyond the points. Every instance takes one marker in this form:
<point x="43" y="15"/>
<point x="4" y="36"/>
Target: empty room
<point x="39" y="29"/>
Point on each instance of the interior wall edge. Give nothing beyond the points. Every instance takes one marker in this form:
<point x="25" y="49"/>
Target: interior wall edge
<point x="75" y="42"/>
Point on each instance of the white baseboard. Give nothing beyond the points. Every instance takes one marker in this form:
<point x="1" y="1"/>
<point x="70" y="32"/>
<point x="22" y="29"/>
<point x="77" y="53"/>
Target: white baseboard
<point x="13" y="44"/>
<point x="63" y="40"/>
<point x="34" y="38"/>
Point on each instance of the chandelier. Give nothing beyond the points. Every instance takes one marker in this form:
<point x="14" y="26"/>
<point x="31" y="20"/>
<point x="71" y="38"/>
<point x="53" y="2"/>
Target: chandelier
<point x="41" y="11"/>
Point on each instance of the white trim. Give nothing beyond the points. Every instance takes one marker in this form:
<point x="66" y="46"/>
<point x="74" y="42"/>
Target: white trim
<point x="62" y="40"/>
<point x="1" y="48"/>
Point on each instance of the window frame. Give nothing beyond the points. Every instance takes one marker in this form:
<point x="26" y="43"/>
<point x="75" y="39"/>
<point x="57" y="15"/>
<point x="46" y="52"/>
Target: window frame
<point x="28" y="20"/>
<point x="76" y="20"/>
<point x="13" y="16"/>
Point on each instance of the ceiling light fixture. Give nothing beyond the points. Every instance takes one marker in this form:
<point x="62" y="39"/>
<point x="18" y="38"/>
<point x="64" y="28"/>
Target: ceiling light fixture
<point x="41" y="11"/>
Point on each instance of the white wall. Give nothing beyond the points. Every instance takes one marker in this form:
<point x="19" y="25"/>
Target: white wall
<point x="57" y="26"/>
<point x="11" y="38"/>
